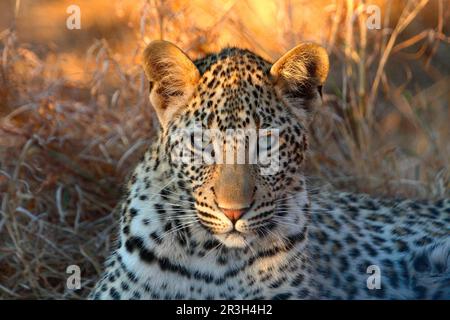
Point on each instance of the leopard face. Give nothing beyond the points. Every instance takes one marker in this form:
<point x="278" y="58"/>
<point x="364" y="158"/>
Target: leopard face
<point x="234" y="131"/>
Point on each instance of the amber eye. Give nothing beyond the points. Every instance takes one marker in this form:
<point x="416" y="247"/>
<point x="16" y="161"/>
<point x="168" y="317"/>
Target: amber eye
<point x="197" y="145"/>
<point x="268" y="147"/>
<point x="195" y="142"/>
<point x="266" y="141"/>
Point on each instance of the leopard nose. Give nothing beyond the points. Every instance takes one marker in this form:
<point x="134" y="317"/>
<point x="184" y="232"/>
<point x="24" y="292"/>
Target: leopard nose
<point x="234" y="214"/>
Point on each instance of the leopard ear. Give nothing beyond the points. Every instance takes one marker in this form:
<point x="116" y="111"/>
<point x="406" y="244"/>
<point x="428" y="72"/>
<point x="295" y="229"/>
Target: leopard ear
<point x="172" y="76"/>
<point x="299" y="75"/>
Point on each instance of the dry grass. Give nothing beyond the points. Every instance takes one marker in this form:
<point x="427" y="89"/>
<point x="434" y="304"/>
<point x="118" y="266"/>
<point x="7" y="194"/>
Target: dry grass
<point x="74" y="119"/>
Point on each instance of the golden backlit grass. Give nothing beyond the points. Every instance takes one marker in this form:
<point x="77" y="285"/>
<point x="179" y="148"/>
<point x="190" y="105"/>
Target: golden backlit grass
<point x="75" y="116"/>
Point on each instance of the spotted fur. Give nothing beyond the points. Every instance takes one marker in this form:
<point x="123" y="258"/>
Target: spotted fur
<point x="299" y="245"/>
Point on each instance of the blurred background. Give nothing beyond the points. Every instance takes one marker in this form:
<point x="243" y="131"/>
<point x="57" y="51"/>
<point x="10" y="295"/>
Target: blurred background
<point x="75" y="117"/>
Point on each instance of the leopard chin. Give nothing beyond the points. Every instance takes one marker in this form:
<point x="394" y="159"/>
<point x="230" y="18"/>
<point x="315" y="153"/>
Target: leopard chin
<point x="235" y="239"/>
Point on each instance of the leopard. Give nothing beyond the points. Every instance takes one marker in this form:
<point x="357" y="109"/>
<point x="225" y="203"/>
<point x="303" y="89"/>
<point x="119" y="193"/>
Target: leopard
<point x="253" y="230"/>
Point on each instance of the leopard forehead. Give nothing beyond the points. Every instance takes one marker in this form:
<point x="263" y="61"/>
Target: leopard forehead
<point x="234" y="89"/>
<point x="232" y="59"/>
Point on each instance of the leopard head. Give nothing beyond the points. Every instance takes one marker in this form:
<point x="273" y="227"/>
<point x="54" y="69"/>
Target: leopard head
<point x="234" y="126"/>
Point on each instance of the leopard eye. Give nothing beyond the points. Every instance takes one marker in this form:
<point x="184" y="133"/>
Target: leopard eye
<point x="268" y="147"/>
<point x="197" y="146"/>
<point x="266" y="140"/>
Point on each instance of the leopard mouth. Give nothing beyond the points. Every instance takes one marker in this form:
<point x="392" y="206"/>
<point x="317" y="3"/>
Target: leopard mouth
<point x="258" y="231"/>
<point x="236" y="230"/>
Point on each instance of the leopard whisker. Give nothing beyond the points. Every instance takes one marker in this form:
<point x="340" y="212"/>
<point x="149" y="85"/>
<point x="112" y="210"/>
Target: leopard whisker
<point x="213" y="249"/>
<point x="176" y="230"/>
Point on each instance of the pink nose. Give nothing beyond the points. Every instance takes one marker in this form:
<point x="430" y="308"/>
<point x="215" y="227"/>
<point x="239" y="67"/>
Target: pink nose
<point x="233" y="214"/>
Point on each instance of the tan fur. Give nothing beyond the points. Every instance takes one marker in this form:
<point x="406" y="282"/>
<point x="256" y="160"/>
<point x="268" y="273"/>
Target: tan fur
<point x="305" y="66"/>
<point x="173" y="76"/>
<point x="305" y="62"/>
<point x="234" y="186"/>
